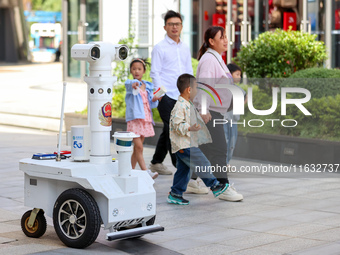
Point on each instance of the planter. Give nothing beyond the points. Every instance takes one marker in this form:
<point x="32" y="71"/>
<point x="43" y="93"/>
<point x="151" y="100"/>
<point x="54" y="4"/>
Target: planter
<point x="74" y="119"/>
<point x="274" y="148"/>
<point x="286" y="149"/>
<point x="118" y="124"/>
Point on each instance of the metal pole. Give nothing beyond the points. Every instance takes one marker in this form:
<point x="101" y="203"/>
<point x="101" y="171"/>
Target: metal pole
<point x="58" y="158"/>
<point x="229" y="27"/>
<point x="328" y="32"/>
<point x="64" y="38"/>
<point x="153" y="24"/>
<point x="304" y="16"/>
<point x="245" y="23"/>
<point x="200" y="23"/>
<point x="266" y="15"/>
<point x="257" y="18"/>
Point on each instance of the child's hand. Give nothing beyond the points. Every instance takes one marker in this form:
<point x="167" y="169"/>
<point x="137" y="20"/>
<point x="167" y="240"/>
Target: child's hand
<point x="195" y="127"/>
<point x="154" y="99"/>
<point x="135" y="85"/>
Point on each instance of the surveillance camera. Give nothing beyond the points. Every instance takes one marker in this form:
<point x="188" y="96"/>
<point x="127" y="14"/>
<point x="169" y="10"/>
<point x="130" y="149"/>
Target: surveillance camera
<point x="85" y="52"/>
<point x="122" y="52"/>
<point x="99" y="55"/>
<point x="96" y="51"/>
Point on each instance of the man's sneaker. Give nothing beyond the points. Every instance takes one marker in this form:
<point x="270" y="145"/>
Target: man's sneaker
<point x="230" y="194"/>
<point x="174" y="199"/>
<point x="197" y="187"/>
<point x="160" y="169"/>
<point x="219" y="189"/>
<point x="153" y="175"/>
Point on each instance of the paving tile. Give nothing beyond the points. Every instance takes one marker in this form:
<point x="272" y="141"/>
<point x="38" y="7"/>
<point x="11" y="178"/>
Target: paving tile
<point x="236" y="221"/>
<point x="308" y="216"/>
<point x="291" y="245"/>
<point x="4" y="240"/>
<point x="266" y="225"/>
<point x="281" y="212"/>
<point x="299" y="229"/>
<point x="330" y="235"/>
<point x="224" y="235"/>
<point x="331" y="221"/>
<point x="255" y="251"/>
<point x="7" y="227"/>
<point x="184" y="244"/>
<point x="329" y="249"/>
<point x="24" y="249"/>
<point x="6" y="215"/>
<point x="216" y="249"/>
<point x="254" y="240"/>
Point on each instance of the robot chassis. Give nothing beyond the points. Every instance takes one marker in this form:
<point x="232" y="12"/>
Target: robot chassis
<point x="90" y="189"/>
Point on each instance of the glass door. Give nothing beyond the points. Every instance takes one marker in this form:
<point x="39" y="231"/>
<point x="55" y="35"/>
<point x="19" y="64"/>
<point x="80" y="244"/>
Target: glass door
<point x="81" y="25"/>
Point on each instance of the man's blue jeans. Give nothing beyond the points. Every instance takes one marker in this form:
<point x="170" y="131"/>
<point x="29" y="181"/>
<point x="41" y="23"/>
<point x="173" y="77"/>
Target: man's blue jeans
<point x="187" y="160"/>
<point x="231" y="137"/>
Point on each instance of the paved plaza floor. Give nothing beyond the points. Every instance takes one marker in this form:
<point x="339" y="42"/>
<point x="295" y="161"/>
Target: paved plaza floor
<point x="278" y="215"/>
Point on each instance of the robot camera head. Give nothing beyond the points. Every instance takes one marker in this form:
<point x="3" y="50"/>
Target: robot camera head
<point x="97" y="51"/>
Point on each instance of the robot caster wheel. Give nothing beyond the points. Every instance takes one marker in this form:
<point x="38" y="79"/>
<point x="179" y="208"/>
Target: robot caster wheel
<point x="39" y="225"/>
<point x="76" y="218"/>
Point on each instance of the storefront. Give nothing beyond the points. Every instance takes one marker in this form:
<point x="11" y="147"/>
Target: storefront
<point x="249" y="18"/>
<point x="110" y="20"/>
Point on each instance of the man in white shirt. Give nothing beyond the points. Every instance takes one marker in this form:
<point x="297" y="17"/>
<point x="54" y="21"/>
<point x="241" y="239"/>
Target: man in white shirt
<point x="169" y="59"/>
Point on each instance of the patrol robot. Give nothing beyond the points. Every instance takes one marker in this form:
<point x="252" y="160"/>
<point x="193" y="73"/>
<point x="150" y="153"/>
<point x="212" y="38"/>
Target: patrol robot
<point x="90" y="189"/>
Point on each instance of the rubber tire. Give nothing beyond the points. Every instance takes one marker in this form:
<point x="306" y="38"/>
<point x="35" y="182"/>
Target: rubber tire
<point x="39" y="225"/>
<point x="93" y="219"/>
<point x="148" y="223"/>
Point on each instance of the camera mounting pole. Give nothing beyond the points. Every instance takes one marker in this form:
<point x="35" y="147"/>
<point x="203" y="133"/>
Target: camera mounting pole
<point x="100" y="81"/>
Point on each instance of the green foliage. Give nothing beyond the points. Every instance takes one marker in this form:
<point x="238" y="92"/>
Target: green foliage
<point x="280" y="53"/>
<point x="46" y="5"/>
<point x="122" y="72"/>
<point x="194" y="63"/>
<point x="324" y="123"/>
<point x="320" y="82"/>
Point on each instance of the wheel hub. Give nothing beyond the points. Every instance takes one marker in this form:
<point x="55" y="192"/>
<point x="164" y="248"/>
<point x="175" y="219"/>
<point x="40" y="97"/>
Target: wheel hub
<point x="73" y="219"/>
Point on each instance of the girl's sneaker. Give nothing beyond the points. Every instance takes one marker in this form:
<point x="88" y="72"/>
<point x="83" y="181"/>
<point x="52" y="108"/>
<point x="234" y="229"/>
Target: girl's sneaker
<point x="174" y="199"/>
<point x="153" y="175"/>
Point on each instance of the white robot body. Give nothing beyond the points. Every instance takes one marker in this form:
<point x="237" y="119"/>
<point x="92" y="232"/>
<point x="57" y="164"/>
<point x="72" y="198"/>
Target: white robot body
<point x="90" y="188"/>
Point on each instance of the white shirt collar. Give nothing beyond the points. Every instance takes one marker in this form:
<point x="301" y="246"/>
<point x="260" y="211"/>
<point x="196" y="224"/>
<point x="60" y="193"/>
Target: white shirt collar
<point x="169" y="40"/>
<point x="218" y="56"/>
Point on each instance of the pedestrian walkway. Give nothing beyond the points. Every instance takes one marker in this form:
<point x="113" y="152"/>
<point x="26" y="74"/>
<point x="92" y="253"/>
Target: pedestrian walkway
<point x="279" y="215"/>
<point x="31" y="95"/>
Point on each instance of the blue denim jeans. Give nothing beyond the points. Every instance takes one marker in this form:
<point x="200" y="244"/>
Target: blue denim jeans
<point x="231" y="137"/>
<point x="187" y="160"/>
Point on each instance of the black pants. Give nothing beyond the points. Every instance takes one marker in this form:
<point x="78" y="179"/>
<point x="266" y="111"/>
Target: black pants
<point x="216" y="152"/>
<point x="165" y="107"/>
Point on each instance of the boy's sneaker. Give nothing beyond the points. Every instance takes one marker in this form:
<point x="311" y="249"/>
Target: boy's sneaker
<point x="153" y="175"/>
<point x="230" y="194"/>
<point x="160" y="169"/>
<point x="197" y="187"/>
<point x="174" y="199"/>
<point x="219" y="189"/>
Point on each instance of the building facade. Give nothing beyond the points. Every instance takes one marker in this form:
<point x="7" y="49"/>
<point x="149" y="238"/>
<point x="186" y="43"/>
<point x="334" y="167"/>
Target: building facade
<point x="13" y="32"/>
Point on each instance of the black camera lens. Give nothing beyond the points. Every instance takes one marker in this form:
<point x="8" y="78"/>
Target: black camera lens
<point x="95" y="53"/>
<point x="123" y="53"/>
